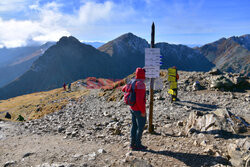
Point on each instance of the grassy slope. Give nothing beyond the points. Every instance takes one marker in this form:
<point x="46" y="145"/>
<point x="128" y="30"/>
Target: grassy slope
<point x="36" y="105"/>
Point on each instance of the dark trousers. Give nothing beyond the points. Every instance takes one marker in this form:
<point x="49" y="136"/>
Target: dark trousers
<point x="138" y="124"/>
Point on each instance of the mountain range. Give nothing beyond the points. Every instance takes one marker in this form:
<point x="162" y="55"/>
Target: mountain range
<point x="16" y="61"/>
<point x="69" y="60"/>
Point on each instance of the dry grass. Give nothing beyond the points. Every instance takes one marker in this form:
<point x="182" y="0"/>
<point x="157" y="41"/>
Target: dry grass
<point x="36" y="105"/>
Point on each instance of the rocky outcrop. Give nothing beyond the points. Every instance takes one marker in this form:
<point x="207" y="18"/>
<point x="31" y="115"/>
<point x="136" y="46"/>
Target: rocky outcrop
<point x="220" y="122"/>
<point x="239" y="152"/>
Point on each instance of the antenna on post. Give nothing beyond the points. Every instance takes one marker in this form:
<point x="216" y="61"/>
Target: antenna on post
<point x="153" y="35"/>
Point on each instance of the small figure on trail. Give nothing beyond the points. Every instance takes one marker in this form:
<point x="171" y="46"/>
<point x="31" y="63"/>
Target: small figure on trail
<point x="173" y="78"/>
<point x="137" y="108"/>
<point x="69" y="87"/>
<point x="64" y="86"/>
<point x="7" y="115"/>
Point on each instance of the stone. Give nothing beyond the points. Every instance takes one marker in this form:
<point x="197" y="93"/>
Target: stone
<point x="204" y="143"/>
<point x="77" y="155"/>
<point x="238" y="157"/>
<point x="197" y="86"/>
<point x="9" y="163"/>
<point x="60" y="129"/>
<point x="210" y="150"/>
<point x="27" y="155"/>
<point x="101" y="151"/>
<point x="221" y="83"/>
<point x="222" y="112"/>
<point x="180" y="123"/>
<point x="74" y="133"/>
<point x="215" y="71"/>
<point x="207" y="123"/>
<point x="200" y="135"/>
<point x="140" y="163"/>
<point x="129" y="154"/>
<point x="195" y="143"/>
<point x="117" y="131"/>
<point x="92" y="156"/>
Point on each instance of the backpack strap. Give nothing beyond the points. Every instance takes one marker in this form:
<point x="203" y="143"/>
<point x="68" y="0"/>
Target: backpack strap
<point x="133" y="86"/>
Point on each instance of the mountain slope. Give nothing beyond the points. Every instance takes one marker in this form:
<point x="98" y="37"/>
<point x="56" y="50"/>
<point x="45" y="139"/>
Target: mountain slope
<point x="67" y="61"/>
<point x="230" y="55"/>
<point x="183" y="57"/>
<point x="17" y="61"/>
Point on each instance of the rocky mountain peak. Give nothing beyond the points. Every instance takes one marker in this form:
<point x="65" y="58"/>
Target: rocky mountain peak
<point x="132" y="41"/>
<point x="125" y="42"/>
<point x="68" y="40"/>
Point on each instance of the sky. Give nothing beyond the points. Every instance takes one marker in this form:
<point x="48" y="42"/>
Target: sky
<point x="28" y="22"/>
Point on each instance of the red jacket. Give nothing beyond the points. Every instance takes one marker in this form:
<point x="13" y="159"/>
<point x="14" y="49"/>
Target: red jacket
<point x="140" y="91"/>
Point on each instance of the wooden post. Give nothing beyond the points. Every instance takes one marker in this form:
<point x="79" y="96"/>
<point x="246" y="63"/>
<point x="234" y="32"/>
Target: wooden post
<point x="151" y="102"/>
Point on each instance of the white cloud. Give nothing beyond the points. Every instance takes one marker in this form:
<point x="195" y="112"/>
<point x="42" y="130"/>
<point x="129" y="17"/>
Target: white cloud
<point x="51" y="35"/>
<point x="92" y="12"/>
<point x="13" y="5"/>
<point x="51" y="24"/>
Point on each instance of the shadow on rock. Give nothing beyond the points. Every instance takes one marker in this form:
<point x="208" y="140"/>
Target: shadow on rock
<point x="225" y="134"/>
<point x="202" y="106"/>
<point x="193" y="160"/>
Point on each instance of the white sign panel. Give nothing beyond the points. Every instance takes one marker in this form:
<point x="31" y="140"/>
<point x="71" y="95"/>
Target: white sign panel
<point x="153" y="51"/>
<point x="153" y="63"/>
<point x="152" y="75"/>
<point x="153" y="56"/>
<point x="152" y="71"/>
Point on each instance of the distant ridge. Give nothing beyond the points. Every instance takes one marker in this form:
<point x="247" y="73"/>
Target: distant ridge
<point x="229" y="54"/>
<point x="94" y="44"/>
<point x="16" y="61"/>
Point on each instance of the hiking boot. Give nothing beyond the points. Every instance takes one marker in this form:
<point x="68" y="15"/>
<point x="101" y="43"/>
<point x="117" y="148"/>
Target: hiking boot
<point x="138" y="148"/>
<point x="133" y="148"/>
<point x="142" y="147"/>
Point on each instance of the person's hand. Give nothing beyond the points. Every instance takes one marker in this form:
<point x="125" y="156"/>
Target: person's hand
<point x="143" y="114"/>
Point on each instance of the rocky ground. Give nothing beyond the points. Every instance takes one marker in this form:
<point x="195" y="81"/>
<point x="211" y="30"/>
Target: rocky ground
<point x="94" y="131"/>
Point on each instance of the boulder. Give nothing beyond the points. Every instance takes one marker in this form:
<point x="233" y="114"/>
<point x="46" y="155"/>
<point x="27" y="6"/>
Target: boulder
<point x="221" y="82"/>
<point x="241" y="82"/>
<point x="215" y="71"/>
<point x="205" y="123"/>
<point x="239" y="152"/>
<point x="197" y="85"/>
<point x="219" y="122"/>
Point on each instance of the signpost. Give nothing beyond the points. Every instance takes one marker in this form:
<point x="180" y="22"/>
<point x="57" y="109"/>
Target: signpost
<point x="152" y="66"/>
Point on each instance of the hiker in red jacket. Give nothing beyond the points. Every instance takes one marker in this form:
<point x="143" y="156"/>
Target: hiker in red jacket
<point x="64" y="86"/>
<point x="138" y="111"/>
